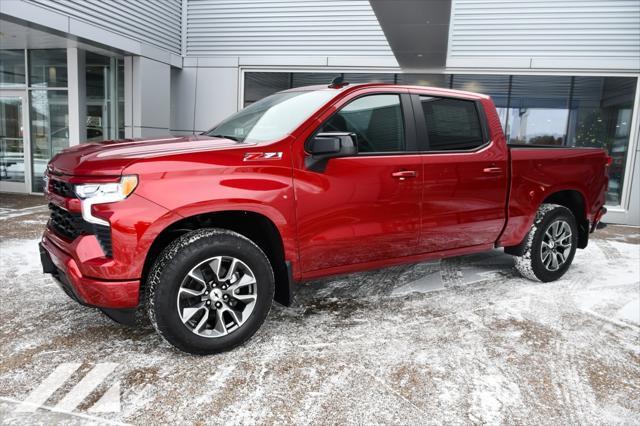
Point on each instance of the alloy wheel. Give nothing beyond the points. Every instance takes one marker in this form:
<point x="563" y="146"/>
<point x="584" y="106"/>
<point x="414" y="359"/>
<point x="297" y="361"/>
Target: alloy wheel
<point x="217" y="296"/>
<point x="556" y="245"/>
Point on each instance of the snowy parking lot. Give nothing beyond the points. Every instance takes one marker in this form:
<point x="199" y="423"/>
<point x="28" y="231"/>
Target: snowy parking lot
<point x="457" y="341"/>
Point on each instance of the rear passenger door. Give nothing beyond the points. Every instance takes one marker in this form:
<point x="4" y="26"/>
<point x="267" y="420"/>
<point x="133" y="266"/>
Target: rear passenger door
<point x="364" y="208"/>
<point x="465" y="174"/>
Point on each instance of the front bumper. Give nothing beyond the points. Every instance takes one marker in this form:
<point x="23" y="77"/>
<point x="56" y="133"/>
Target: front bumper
<point x="87" y="291"/>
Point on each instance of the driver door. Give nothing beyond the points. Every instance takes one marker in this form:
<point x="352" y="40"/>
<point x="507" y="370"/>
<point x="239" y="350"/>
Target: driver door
<point x="365" y="208"/>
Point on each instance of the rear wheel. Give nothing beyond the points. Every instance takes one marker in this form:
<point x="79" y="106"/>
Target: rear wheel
<point x="210" y="291"/>
<point x="550" y="245"/>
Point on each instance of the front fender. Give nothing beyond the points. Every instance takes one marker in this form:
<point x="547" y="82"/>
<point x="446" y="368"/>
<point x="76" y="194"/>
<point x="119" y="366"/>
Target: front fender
<point x="265" y="189"/>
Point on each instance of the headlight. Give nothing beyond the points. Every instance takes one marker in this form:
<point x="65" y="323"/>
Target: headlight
<point x="120" y="190"/>
<point x="100" y="193"/>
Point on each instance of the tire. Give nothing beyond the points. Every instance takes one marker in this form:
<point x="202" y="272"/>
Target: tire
<point x="541" y="248"/>
<point x="178" y="283"/>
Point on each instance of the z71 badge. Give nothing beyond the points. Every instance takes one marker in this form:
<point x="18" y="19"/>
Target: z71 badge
<point x="258" y="156"/>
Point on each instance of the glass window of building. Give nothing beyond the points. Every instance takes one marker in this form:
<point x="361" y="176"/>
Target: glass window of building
<point x="49" y="117"/>
<point x="258" y="85"/>
<point x="600" y="116"/>
<point x="12" y="168"/>
<point x="431" y="80"/>
<point x="97" y="101"/>
<point x="49" y="109"/>
<point x="12" y="68"/>
<point x="538" y="110"/>
<point x="300" y="79"/>
<point x="120" y="95"/>
<point x="48" y="68"/>
<point x="496" y="86"/>
<point x="104" y="97"/>
<point x="354" y="78"/>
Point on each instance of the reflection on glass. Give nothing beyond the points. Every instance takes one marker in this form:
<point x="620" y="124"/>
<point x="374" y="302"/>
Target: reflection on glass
<point x="300" y="79"/>
<point x="538" y="110"/>
<point x="12" y="68"/>
<point x="104" y="88"/>
<point x="431" y="80"/>
<point x="120" y="94"/>
<point x="48" y="68"/>
<point x="496" y="86"/>
<point x="354" y="78"/>
<point x="258" y="85"/>
<point x="11" y="141"/>
<point x="49" y="116"/>
<point x="97" y="77"/>
<point x="601" y="110"/>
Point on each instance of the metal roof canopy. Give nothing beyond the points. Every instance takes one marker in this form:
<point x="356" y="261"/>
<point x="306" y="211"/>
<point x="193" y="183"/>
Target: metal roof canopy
<point x="417" y="31"/>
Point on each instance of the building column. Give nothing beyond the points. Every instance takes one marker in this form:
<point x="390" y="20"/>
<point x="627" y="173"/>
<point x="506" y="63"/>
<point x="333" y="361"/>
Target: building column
<point x="147" y="90"/>
<point x="76" y="75"/>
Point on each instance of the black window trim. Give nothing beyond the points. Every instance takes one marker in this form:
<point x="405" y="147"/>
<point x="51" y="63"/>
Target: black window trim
<point x="408" y="117"/>
<point x="423" y="134"/>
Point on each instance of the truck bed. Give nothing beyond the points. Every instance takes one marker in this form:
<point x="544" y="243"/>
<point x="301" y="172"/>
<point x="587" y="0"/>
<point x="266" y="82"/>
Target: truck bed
<point x="538" y="172"/>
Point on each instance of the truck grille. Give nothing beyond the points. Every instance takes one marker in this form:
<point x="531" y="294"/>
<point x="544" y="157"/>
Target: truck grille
<point x="67" y="224"/>
<point x="64" y="189"/>
<point x="72" y="225"/>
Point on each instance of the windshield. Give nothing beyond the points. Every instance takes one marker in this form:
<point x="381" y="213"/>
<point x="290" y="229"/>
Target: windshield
<point x="273" y="117"/>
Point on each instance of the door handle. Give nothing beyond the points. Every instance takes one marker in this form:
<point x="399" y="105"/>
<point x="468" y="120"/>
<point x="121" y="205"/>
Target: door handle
<point x="492" y="170"/>
<point x="403" y="174"/>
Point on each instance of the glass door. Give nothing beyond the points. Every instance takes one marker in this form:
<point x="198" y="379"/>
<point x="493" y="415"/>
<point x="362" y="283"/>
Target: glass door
<point x="14" y="168"/>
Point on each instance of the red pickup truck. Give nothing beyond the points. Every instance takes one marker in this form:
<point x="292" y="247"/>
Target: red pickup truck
<point x="201" y="233"/>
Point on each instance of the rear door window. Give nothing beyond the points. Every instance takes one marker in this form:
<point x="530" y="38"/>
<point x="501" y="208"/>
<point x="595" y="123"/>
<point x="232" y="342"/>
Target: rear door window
<point x="452" y="124"/>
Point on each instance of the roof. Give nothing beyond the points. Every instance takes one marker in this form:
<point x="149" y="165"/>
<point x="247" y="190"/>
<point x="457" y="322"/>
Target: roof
<point x="436" y="91"/>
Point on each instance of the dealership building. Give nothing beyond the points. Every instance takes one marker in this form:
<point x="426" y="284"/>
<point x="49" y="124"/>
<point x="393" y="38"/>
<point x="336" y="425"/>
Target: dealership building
<point x="560" y="72"/>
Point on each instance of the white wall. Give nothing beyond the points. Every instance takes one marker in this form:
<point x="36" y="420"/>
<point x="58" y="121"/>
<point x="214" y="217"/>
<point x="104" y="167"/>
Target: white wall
<point x="204" y="92"/>
<point x="549" y="34"/>
<point x="287" y="33"/>
<point x="120" y="26"/>
<point x="147" y="97"/>
<point x="157" y="23"/>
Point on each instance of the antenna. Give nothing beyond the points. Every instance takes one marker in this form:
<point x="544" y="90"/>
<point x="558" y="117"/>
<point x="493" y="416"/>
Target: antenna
<point x="338" y="82"/>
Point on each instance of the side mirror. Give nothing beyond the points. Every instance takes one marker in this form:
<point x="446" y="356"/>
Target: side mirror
<point x="324" y="146"/>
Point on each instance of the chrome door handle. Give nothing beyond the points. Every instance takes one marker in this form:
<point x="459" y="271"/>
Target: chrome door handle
<point x="403" y="174"/>
<point x="492" y="170"/>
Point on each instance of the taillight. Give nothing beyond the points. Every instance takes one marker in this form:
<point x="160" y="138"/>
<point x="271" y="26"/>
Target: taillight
<point x="608" y="161"/>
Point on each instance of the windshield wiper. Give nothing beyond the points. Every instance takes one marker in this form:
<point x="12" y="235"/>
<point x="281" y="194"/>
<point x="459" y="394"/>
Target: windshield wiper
<point x="233" y="138"/>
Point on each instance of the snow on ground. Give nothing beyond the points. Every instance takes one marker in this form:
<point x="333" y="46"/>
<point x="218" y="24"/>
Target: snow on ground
<point x="457" y="341"/>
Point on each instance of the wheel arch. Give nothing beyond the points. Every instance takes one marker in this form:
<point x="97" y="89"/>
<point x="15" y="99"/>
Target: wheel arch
<point x="255" y="226"/>
<point x="575" y="201"/>
<point x="572" y="199"/>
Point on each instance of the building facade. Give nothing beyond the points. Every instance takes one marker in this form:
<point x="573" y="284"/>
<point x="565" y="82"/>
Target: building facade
<point x="562" y="73"/>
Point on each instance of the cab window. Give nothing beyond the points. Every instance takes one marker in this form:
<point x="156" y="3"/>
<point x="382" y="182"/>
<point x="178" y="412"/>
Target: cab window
<point x="375" y="119"/>
<point x="452" y="124"/>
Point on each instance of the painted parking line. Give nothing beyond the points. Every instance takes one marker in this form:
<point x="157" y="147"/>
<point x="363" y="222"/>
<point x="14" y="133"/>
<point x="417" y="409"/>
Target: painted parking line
<point x="39" y="395"/>
<point x="109" y="402"/>
<point x="12" y="213"/>
<point x="93" y="419"/>
<point x="87" y="385"/>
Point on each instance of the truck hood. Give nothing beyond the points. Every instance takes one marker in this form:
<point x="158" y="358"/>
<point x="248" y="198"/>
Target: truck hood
<point x="109" y="158"/>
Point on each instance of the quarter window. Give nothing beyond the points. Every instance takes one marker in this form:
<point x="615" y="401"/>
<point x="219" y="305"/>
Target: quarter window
<point x="375" y="119"/>
<point x="452" y="124"/>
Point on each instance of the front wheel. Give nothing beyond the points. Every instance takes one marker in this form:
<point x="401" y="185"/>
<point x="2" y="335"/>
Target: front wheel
<point x="550" y="245"/>
<point x="210" y="291"/>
